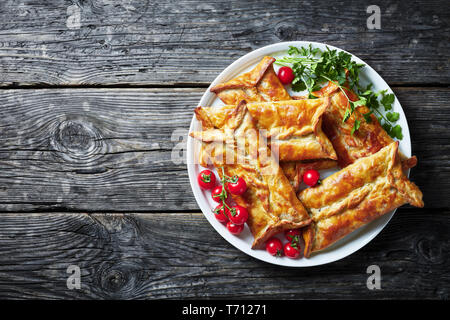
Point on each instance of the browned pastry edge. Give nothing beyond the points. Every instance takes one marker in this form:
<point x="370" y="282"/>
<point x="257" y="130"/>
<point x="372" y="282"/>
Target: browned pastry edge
<point x="273" y="230"/>
<point x="293" y="203"/>
<point x="407" y="190"/>
<point x="331" y="89"/>
<point x="261" y="71"/>
<point x="323" y="148"/>
<point x="308" y="235"/>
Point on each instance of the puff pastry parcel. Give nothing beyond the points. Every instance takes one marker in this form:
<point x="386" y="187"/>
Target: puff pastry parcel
<point x="356" y="195"/>
<point x="240" y="149"/>
<point x="370" y="137"/>
<point x="258" y="85"/>
<point x="293" y="127"/>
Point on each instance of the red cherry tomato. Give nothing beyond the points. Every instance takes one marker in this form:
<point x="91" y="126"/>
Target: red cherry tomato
<point x="237" y="187"/>
<point x="291" y="251"/>
<point x="292" y="235"/>
<point x="206" y="179"/>
<point x="240" y="215"/>
<point x="220" y="215"/>
<point x="286" y="75"/>
<point x="274" y="247"/>
<point x="235" y="228"/>
<point x="216" y="192"/>
<point x="311" y="177"/>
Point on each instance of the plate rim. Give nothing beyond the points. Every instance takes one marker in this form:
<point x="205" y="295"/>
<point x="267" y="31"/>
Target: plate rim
<point x="207" y="95"/>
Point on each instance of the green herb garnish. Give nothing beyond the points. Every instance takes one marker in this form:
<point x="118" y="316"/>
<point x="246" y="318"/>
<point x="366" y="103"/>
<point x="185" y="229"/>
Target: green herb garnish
<point x="313" y="68"/>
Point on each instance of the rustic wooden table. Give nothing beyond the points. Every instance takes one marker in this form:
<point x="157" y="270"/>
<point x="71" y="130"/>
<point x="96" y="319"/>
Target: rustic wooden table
<point x="96" y="94"/>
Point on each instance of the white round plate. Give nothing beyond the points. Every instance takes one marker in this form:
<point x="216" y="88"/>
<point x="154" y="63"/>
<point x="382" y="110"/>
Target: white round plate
<point x="343" y="247"/>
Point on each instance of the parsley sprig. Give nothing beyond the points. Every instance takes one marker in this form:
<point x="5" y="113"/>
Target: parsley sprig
<point x="313" y="68"/>
<point x="223" y="195"/>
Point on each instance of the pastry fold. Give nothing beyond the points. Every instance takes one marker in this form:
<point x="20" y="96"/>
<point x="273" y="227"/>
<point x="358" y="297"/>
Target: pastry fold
<point x="293" y="127"/>
<point x="258" y="85"/>
<point x="356" y="195"/>
<point x="367" y="140"/>
<point x="239" y="148"/>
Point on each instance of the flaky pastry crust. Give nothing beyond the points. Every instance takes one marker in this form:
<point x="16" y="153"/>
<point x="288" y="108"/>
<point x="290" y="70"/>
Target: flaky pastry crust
<point x="356" y="195"/>
<point x="270" y="200"/>
<point x="293" y="127"/>
<point x="258" y="85"/>
<point x="367" y="140"/>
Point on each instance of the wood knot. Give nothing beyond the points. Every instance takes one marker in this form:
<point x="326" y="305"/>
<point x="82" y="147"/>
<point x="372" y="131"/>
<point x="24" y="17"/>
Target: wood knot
<point x="285" y="32"/>
<point x="121" y="279"/>
<point x="430" y="250"/>
<point x="113" y="280"/>
<point x="78" y="140"/>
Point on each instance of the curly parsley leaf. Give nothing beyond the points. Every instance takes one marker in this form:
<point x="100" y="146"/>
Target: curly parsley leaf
<point x="313" y="67"/>
<point x="387" y="100"/>
<point x="392" y="116"/>
<point x="397" y="132"/>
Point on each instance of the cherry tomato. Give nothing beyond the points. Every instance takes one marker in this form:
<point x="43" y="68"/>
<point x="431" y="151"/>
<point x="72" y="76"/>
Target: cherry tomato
<point x="235" y="228"/>
<point x="286" y="75"/>
<point x="311" y="177"/>
<point x="292" y="250"/>
<point x="274" y="247"/>
<point x="206" y="179"/>
<point x="220" y="215"/>
<point x="240" y="216"/>
<point x="292" y="235"/>
<point x="215" y="194"/>
<point x="237" y="187"/>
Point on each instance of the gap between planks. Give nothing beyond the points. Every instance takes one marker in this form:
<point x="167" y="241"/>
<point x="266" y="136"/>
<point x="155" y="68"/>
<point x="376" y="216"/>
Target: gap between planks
<point x="102" y="212"/>
<point x="186" y="86"/>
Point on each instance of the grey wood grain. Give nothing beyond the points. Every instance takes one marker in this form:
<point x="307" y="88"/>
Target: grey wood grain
<point x="111" y="149"/>
<point x="140" y="256"/>
<point x="148" y="42"/>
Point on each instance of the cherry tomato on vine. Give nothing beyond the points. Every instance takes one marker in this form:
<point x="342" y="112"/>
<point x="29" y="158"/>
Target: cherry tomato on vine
<point x="292" y="250"/>
<point x="286" y="75"/>
<point x="292" y="234"/>
<point x="274" y="247"/>
<point x="216" y="194"/>
<point x="237" y="186"/>
<point x="206" y="179"/>
<point x="240" y="215"/>
<point x="235" y="228"/>
<point x="220" y="215"/>
<point x="311" y="177"/>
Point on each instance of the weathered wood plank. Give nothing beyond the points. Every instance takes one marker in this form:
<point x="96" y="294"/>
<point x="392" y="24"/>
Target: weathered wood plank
<point x="176" y="42"/>
<point x="181" y="256"/>
<point x="111" y="149"/>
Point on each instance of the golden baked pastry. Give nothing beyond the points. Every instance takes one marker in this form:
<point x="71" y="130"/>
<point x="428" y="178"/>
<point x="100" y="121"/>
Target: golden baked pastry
<point x="367" y="140"/>
<point x="240" y="149"/>
<point x="293" y="127"/>
<point x="258" y="85"/>
<point x="356" y="195"/>
<point x="262" y="84"/>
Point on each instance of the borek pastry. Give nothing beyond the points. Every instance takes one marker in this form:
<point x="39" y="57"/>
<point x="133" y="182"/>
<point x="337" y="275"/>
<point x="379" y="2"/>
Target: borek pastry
<point x="367" y="140"/>
<point x="293" y="127"/>
<point x="356" y="195"/>
<point x="258" y="85"/>
<point x="240" y="149"/>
